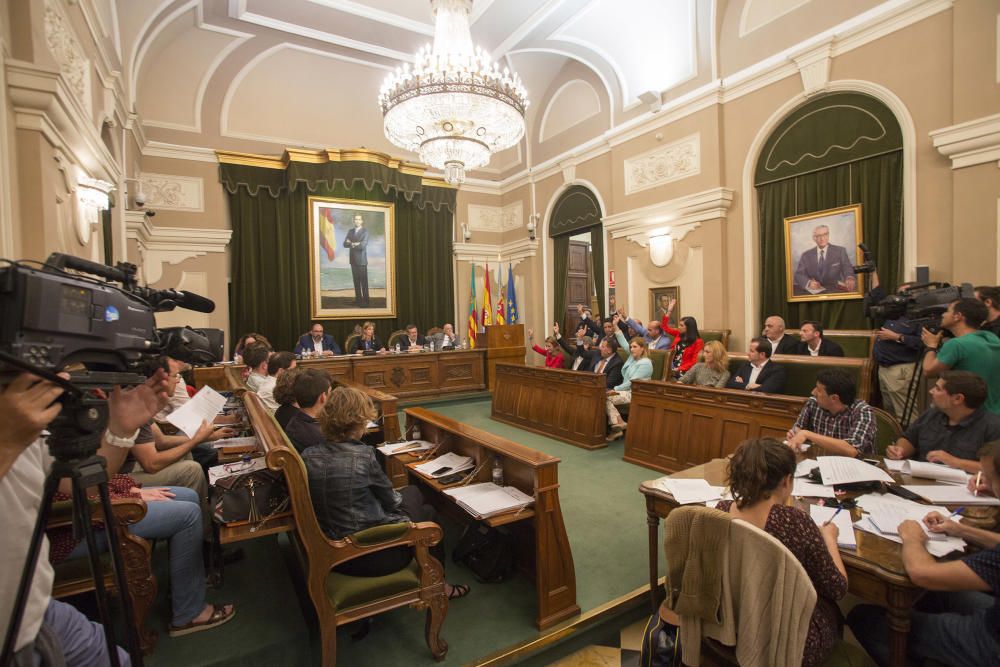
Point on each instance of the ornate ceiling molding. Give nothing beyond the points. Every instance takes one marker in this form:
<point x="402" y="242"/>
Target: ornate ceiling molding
<point x="971" y="143"/>
<point x="513" y="252"/>
<point x="677" y="216"/>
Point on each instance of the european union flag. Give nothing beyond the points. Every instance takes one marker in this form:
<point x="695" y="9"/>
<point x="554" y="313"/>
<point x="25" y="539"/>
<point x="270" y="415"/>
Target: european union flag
<point x="512" y="314"/>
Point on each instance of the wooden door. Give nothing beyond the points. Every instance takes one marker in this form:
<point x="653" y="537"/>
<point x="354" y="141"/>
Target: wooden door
<point x="578" y="284"/>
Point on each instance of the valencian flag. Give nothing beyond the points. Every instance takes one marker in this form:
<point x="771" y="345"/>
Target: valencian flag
<point x="512" y="313"/>
<point x="473" y="316"/>
<point x="500" y="297"/>
<point x="487" y="299"/>
<point x="326" y="237"/>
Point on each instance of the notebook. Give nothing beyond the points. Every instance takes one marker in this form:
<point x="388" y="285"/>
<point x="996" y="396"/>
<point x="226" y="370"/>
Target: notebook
<point x="846" y="537"/>
<point x="487" y="499"/>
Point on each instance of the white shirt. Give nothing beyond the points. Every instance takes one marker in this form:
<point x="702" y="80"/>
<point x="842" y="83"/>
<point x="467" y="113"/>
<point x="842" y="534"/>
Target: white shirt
<point x="812" y="352"/>
<point x="176" y="400"/>
<point x="755" y="372"/>
<point x="318" y="345"/>
<point x="255" y="381"/>
<point x="775" y="343"/>
<point x="266" y="393"/>
<point x="21" y="499"/>
<point x="576" y="364"/>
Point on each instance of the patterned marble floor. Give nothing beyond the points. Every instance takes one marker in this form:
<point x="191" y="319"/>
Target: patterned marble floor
<point x="624" y="654"/>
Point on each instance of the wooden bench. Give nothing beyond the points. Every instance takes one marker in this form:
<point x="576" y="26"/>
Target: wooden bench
<point x="801" y="371"/>
<point x="566" y="405"/>
<point x="673" y="426"/>
<point x="539" y="530"/>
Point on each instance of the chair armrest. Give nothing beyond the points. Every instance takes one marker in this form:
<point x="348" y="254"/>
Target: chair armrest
<point x="420" y="536"/>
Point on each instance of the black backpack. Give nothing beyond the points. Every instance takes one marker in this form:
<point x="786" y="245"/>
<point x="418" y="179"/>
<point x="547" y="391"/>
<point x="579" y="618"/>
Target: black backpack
<point x="487" y="552"/>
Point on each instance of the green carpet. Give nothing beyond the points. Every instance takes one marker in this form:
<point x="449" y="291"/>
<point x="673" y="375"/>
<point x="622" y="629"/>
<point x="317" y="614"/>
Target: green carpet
<point x="605" y="519"/>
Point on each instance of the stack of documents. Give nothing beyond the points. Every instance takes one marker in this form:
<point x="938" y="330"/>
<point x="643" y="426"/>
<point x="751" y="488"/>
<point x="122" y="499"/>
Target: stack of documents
<point x="485" y="500"/>
<point x="802" y="488"/>
<point x="406" y="447"/>
<point x="236" y="445"/>
<point x="845" y="470"/>
<point x="845" y="534"/>
<point x="937" y="471"/>
<point x="203" y="407"/>
<point x="689" y="491"/>
<point x="950" y="494"/>
<point x="886" y="512"/>
<point x="447" y="464"/>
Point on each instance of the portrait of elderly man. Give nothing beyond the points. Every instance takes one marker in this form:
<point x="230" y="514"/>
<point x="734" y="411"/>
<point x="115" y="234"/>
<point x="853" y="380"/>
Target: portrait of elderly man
<point x="825" y="268"/>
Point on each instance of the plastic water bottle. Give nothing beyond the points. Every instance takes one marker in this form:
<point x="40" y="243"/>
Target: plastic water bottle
<point x="497" y="471"/>
<point x="397" y="348"/>
<point x="415" y="433"/>
<point x="432" y="346"/>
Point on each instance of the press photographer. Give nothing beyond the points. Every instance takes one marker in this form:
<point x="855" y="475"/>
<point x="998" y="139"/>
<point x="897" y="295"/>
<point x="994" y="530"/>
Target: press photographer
<point x="896" y="351"/>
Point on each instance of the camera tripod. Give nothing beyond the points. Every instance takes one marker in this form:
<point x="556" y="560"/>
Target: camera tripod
<point x="75" y="438"/>
<point x="910" y="403"/>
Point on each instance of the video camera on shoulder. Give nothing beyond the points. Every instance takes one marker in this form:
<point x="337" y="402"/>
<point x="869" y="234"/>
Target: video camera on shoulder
<point x="921" y="305"/>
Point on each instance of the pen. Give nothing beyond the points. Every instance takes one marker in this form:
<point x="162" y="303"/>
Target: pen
<point x="830" y="520"/>
<point x="979" y="476"/>
<point x="957" y="512"/>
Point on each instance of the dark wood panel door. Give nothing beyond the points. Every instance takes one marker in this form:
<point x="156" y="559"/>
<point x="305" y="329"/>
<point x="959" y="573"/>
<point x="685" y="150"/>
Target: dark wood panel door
<point x="578" y="282"/>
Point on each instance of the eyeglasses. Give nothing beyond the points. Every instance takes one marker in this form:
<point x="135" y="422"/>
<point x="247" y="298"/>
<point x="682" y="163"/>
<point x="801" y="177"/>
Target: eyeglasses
<point x="240" y="466"/>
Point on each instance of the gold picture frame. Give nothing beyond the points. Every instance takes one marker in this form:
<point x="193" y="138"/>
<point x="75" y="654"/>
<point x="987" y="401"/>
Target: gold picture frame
<point x="807" y="278"/>
<point x="659" y="297"/>
<point x="351" y="267"/>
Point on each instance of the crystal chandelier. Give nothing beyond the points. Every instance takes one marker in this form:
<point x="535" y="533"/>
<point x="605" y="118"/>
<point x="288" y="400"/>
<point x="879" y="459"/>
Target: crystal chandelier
<point x="454" y="107"/>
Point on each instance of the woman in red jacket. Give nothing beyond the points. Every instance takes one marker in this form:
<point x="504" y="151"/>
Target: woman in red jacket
<point x="554" y="357"/>
<point x="687" y="344"/>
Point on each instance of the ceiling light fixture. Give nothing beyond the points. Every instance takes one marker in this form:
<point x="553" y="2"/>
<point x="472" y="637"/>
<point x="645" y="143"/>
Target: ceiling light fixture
<point x="454" y="107"/>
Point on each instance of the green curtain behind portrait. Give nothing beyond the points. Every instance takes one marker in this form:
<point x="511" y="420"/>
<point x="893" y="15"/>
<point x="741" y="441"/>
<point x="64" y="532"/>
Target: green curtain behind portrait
<point x="270" y="249"/>
<point x="875" y="183"/>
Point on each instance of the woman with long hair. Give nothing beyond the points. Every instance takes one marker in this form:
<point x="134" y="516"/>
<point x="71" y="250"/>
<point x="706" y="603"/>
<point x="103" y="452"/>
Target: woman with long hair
<point x="638" y="366"/>
<point x="760" y="475"/>
<point x="350" y="492"/>
<point x="687" y="344"/>
<point x="367" y="341"/>
<point x="713" y="370"/>
<point x="245" y="341"/>
<point x="554" y="357"/>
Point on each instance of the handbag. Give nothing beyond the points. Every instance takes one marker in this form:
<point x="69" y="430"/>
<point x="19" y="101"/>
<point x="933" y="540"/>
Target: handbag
<point x="661" y="646"/>
<point x="487" y="552"/>
<point x="253" y="497"/>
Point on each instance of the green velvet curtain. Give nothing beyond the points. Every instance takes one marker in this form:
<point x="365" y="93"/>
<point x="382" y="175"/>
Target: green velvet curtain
<point x="597" y="265"/>
<point x="560" y="269"/>
<point x="270" y="251"/>
<point x="877" y="184"/>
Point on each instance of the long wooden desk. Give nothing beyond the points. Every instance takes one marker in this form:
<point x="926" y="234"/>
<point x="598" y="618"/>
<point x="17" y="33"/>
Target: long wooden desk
<point x="875" y="571"/>
<point x="539" y="531"/>
<point x="402" y="375"/>
<point x="672" y="426"/>
<point x="567" y="405"/>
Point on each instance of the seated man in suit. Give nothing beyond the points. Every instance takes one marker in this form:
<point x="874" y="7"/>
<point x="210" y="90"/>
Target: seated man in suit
<point x="954" y="428"/>
<point x="814" y="344"/>
<point x="652" y="332"/>
<point x="834" y="418"/>
<point x="774" y="332"/>
<point x="412" y="341"/>
<point x="446" y="338"/>
<point x="316" y="342"/>
<point x="583" y="353"/>
<point x="825" y="268"/>
<point x="609" y="363"/>
<point x="956" y="622"/>
<point x="759" y="373"/>
<point x="311" y="389"/>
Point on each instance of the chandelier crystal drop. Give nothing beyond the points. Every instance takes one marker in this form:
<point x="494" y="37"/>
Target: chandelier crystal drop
<point x="454" y="107"/>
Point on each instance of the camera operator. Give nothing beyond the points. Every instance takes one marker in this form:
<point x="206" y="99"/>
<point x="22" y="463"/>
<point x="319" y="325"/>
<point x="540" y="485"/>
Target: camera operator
<point x="990" y="296"/>
<point x="971" y="349"/>
<point x="50" y="630"/>
<point x="897" y="348"/>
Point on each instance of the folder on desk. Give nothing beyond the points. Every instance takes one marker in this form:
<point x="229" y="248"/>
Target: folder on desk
<point x="448" y="464"/>
<point x="407" y="447"/>
<point x="937" y="471"/>
<point x="486" y="500"/>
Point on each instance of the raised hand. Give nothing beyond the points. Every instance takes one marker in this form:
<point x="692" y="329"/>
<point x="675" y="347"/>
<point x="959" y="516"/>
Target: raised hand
<point x="128" y="409"/>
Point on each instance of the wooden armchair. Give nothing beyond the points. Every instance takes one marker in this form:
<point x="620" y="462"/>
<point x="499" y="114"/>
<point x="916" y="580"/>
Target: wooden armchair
<point x="887" y="430"/>
<point x="340" y="598"/>
<point x="394" y="338"/>
<point x="73" y="576"/>
<point x="350" y="341"/>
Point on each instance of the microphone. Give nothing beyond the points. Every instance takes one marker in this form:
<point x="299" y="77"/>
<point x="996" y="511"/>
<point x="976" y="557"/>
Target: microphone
<point x="168" y="299"/>
<point x="195" y="302"/>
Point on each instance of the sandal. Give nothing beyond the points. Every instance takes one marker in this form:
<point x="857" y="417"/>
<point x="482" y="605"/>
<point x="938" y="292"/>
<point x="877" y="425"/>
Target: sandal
<point x="219" y="617"/>
<point x="458" y="591"/>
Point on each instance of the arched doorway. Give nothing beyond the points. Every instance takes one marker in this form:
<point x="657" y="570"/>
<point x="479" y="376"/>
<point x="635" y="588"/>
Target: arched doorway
<point x="834" y="151"/>
<point x="578" y="254"/>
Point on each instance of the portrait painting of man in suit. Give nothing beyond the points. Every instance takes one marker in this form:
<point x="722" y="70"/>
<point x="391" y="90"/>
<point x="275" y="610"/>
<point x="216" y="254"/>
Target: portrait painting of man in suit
<point x="351" y="258"/>
<point x="821" y="254"/>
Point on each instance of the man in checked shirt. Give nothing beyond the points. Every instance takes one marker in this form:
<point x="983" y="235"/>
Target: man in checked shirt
<point x="834" y="419"/>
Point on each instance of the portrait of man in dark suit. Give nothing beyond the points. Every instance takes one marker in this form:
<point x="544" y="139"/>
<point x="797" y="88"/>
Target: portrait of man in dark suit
<point x="357" y="241"/>
<point x="820" y="254"/>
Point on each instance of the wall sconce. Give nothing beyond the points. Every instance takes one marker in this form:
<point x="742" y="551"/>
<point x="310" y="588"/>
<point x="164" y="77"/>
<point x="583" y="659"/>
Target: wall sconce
<point x="93" y="193"/>
<point x="533" y="225"/>
<point x="661" y="249"/>
<point x="466" y="232"/>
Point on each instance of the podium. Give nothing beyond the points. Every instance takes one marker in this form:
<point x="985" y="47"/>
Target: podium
<point x="504" y="345"/>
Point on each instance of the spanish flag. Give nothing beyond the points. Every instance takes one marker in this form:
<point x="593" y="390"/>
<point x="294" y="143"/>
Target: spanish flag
<point x="327" y="240"/>
<point x="487" y="299"/>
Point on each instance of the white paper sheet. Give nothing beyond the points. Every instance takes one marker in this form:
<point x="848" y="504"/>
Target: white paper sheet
<point x="936" y="471"/>
<point x="810" y="490"/>
<point x="446" y="464"/>
<point x="887" y="521"/>
<point x="893" y="465"/>
<point x="235" y="442"/>
<point x="844" y="470"/>
<point x="845" y="537"/>
<point x="203" y="407"/>
<point x="689" y="491"/>
<point x="391" y="449"/>
<point x="805" y="467"/>
<point x="936" y="548"/>
<point x="950" y="494"/>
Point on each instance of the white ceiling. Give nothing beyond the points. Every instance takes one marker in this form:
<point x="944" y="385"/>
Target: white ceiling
<point x="207" y="67"/>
